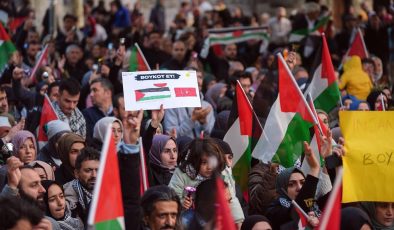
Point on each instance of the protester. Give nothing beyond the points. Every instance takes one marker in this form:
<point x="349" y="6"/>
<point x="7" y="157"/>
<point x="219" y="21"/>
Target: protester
<point x="79" y="192"/>
<point x="25" y="146"/>
<point x="380" y="213"/>
<point x="44" y="170"/>
<point x="80" y="62"/>
<point x="161" y="208"/>
<point x="56" y="206"/>
<point x="291" y="184"/>
<point x="256" y="222"/>
<point x="163" y="157"/>
<point x="354" y="218"/>
<point x="69" y="146"/>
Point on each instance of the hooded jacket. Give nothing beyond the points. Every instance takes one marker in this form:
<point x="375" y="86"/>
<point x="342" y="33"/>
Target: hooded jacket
<point x="354" y="80"/>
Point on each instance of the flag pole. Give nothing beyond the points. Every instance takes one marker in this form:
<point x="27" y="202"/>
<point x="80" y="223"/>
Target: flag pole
<point x="143" y="166"/>
<point x="309" y="99"/>
<point x="142" y="55"/>
<point x="382" y="101"/>
<point x="298" y="88"/>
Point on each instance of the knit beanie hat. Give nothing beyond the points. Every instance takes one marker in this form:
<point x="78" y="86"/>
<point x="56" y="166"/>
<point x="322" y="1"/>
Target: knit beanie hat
<point x="56" y="126"/>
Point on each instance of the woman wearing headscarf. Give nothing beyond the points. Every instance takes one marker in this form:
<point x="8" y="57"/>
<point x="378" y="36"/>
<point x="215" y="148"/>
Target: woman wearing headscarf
<point x="255" y="222"/>
<point x="56" y="206"/>
<point x="25" y="147"/>
<point x="44" y="170"/>
<point x="353" y="218"/>
<point x="69" y="147"/>
<point x="291" y="184"/>
<point x="377" y="101"/>
<point x="381" y="214"/>
<point x="163" y="157"/>
<point x="54" y="130"/>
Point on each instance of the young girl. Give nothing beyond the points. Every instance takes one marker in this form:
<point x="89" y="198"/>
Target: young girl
<point x="204" y="159"/>
<point x="56" y="206"/>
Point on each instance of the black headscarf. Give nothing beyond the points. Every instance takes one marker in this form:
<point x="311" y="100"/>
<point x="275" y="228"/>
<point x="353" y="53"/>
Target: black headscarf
<point x="252" y="220"/>
<point x="354" y="218"/>
<point x="282" y="180"/>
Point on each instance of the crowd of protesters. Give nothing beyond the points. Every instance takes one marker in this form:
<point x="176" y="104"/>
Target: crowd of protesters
<point x="50" y="185"/>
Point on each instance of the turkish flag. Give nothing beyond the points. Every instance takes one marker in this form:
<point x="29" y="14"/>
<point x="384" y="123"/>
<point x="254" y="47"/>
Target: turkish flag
<point x="185" y="92"/>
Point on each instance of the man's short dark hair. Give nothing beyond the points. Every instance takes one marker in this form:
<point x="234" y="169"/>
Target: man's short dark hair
<point x="53" y="85"/>
<point x="87" y="154"/>
<point x="115" y="100"/>
<point x="70" y="85"/>
<point x="70" y="16"/>
<point x="14" y="209"/>
<point x="105" y="83"/>
<point x="3" y="89"/>
<point x="158" y="193"/>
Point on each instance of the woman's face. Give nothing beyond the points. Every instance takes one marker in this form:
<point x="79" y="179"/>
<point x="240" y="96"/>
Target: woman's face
<point x="323" y="117"/>
<point x="56" y="201"/>
<point x="41" y="172"/>
<point x="74" y="152"/>
<point x="169" y="155"/>
<point x="117" y="131"/>
<point x="205" y="168"/>
<point x="295" y="184"/>
<point x="384" y="213"/>
<point x="262" y="225"/>
<point x="27" y="152"/>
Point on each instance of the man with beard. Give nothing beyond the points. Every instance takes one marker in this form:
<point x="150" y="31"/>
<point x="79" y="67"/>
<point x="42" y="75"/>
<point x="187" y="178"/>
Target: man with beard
<point x="161" y="208"/>
<point x="24" y="181"/>
<point x="79" y="192"/>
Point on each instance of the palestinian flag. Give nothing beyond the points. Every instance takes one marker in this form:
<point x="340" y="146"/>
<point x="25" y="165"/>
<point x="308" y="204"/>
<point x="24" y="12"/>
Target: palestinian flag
<point x="161" y="91"/>
<point x="48" y="114"/>
<point x="223" y="219"/>
<point x="242" y="136"/>
<point x="331" y="216"/>
<point x="324" y="87"/>
<point x="237" y="34"/>
<point x="357" y="48"/>
<point x="287" y="123"/>
<point x="42" y="60"/>
<point x="298" y="35"/>
<point x="137" y="61"/>
<point x="7" y="48"/>
<point x="303" y="217"/>
<point x="107" y="208"/>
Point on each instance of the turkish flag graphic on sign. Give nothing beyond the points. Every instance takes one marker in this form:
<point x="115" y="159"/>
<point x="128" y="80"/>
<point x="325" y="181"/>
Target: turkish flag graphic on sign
<point x="185" y="92"/>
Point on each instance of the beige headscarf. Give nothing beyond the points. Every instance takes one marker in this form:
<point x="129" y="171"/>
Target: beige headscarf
<point x="46" y="167"/>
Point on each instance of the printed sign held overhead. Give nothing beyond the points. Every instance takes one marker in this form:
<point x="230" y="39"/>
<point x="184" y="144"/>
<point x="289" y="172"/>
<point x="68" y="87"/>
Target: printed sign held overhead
<point x="149" y="89"/>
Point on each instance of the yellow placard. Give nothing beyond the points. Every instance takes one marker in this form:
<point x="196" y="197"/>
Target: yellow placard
<point x="368" y="165"/>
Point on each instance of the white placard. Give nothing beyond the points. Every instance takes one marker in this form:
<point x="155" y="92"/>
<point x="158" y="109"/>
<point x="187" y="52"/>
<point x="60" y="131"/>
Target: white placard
<point x="149" y="89"/>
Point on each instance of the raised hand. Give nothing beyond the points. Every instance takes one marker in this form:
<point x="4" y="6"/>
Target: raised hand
<point x="311" y="159"/>
<point x="326" y="148"/>
<point x="13" y="172"/>
<point x="132" y="126"/>
<point x="157" y="117"/>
